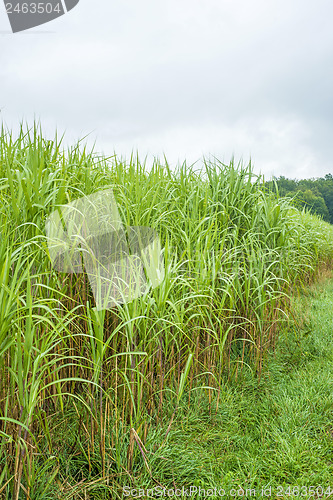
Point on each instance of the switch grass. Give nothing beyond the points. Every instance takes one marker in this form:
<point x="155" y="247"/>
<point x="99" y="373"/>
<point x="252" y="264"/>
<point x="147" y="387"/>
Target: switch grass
<point x="91" y="401"/>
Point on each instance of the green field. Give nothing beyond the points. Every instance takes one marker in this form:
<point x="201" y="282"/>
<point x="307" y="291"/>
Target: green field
<point x="218" y="377"/>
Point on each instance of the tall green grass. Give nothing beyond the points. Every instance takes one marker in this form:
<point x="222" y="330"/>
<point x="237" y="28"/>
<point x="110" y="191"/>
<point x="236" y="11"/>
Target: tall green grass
<point x="233" y="255"/>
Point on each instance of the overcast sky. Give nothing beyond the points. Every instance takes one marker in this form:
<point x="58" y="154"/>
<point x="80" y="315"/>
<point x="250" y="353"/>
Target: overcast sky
<point x="187" y="78"/>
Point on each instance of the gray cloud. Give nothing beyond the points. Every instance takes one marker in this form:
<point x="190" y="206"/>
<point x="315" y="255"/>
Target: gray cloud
<point x="185" y="78"/>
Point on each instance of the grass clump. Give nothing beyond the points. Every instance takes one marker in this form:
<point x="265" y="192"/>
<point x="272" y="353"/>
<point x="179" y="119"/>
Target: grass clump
<point x="116" y="381"/>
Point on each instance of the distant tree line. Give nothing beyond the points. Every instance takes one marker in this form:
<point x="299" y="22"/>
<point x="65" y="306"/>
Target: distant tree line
<point x="316" y="193"/>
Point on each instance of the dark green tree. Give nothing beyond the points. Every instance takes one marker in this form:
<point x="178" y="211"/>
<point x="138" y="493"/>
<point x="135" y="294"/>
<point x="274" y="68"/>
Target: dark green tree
<point x="315" y="193"/>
